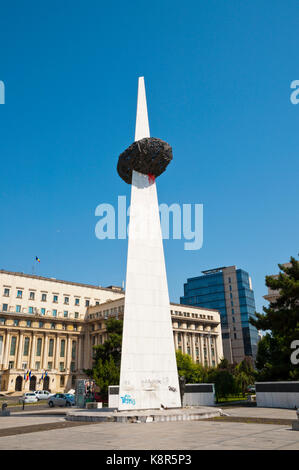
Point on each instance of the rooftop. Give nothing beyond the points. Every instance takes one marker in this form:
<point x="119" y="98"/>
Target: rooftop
<point x="53" y="279"/>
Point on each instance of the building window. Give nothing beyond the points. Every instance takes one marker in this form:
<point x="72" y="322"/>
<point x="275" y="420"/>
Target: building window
<point x="86" y="303"/>
<point x="55" y="299"/>
<point x="229" y="280"/>
<point x="73" y="349"/>
<point x="16" y="323"/>
<point x="75" y="327"/>
<point x="61" y="366"/>
<point x="24" y="365"/>
<point x="66" y="300"/>
<point x="40" y="324"/>
<point x="6" y="292"/>
<point x="52" y="326"/>
<point x="51" y="347"/>
<point x="10" y="364"/>
<point x="62" y="348"/>
<point x="2" y="321"/>
<point x="44" y="297"/>
<point x="54" y="313"/>
<point x="4" y="307"/>
<point x="28" y="323"/>
<point x="26" y="347"/>
<point x="37" y="365"/>
<point x="19" y="294"/>
<point x="43" y="311"/>
<point x="62" y="381"/>
<point x="31" y="296"/>
<point x="18" y="308"/>
<point x="13" y="345"/>
<point x="73" y="367"/>
<point x="39" y="347"/>
<point x="50" y="365"/>
<point x="1" y="344"/>
<point x="77" y="302"/>
<point x="30" y="310"/>
<point x="65" y="313"/>
<point x="233" y="312"/>
<point x="232" y="303"/>
<point x="235" y="336"/>
<point x="76" y="314"/>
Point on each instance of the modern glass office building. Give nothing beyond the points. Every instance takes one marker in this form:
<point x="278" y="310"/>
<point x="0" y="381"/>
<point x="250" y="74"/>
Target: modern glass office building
<point x="228" y="290"/>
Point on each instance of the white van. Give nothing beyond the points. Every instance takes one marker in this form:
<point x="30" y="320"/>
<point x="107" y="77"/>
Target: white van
<point x="43" y="394"/>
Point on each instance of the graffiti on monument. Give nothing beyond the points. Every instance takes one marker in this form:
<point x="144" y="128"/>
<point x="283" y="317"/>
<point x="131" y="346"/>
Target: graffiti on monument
<point x="127" y="399"/>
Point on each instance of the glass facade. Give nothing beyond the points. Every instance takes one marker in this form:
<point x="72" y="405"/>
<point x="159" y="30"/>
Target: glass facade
<point x="208" y="291"/>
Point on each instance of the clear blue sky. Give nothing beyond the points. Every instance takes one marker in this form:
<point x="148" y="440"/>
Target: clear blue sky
<point x="218" y="76"/>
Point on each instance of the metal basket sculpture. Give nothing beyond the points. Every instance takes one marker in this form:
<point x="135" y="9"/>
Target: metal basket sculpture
<point x="149" y="156"/>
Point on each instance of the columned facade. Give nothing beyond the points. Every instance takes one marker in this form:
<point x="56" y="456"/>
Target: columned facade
<point x="56" y="349"/>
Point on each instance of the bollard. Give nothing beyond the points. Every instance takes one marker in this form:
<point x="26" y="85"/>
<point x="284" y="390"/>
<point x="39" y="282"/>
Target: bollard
<point x="4" y="411"/>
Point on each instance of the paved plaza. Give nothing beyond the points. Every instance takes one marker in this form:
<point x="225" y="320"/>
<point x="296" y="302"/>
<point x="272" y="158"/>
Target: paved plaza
<point x="188" y="435"/>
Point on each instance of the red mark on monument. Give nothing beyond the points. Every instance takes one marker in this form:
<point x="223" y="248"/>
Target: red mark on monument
<point x="151" y="178"/>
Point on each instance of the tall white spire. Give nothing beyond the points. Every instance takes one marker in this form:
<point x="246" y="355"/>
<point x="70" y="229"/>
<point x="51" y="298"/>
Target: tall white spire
<point x="142" y="125"/>
<point x="148" y="374"/>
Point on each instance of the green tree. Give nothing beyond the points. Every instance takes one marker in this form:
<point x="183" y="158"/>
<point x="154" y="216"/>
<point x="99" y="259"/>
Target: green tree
<point x="244" y="375"/>
<point x="224" y="381"/>
<point x="193" y="373"/>
<point x="281" y="322"/>
<point x="106" y="357"/>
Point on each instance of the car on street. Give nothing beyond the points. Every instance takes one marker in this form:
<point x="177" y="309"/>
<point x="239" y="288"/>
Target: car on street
<point x="29" y="397"/>
<point x="43" y="394"/>
<point x="251" y="389"/>
<point x="61" y="399"/>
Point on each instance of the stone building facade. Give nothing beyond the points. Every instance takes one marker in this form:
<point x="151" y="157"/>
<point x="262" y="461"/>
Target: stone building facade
<point x="48" y="328"/>
<point x="42" y="330"/>
<point x="196" y="330"/>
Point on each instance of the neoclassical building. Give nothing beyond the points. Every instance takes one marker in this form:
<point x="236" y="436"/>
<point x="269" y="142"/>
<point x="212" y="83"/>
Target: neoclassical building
<point x="48" y="328"/>
<point x="196" y="330"/>
<point x="42" y="330"/>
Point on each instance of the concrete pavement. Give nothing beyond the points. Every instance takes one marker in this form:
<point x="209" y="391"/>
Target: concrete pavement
<point x="183" y="435"/>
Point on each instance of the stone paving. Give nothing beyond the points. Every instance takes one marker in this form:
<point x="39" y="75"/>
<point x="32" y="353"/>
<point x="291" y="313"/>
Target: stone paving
<point x="255" y="412"/>
<point x="183" y="435"/>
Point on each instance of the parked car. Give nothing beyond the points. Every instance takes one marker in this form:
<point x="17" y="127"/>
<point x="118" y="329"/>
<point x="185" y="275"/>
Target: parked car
<point x="251" y="389"/>
<point x="61" y="399"/>
<point x="43" y="394"/>
<point x="29" y="397"/>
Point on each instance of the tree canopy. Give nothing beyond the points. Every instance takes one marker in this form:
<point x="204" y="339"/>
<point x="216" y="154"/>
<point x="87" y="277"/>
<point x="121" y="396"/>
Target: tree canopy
<point x="280" y="321"/>
<point x="106" y="359"/>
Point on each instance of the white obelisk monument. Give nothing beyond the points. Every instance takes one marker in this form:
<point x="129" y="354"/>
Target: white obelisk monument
<point x="148" y="376"/>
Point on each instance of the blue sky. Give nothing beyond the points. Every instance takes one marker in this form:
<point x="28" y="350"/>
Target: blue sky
<point x="218" y="75"/>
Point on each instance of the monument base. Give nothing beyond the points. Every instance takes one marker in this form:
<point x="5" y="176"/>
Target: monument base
<point x="143" y="416"/>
